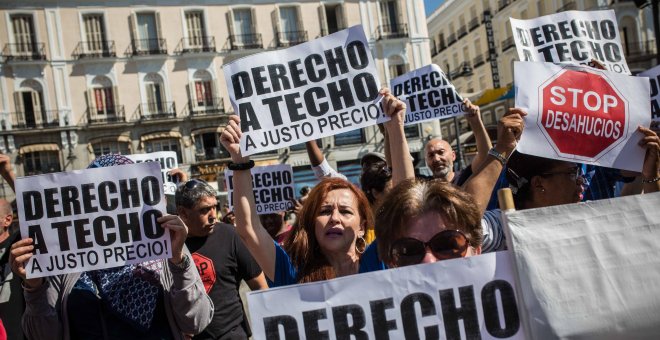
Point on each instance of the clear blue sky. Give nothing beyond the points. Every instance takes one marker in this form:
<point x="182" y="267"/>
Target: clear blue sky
<point x="431" y="5"/>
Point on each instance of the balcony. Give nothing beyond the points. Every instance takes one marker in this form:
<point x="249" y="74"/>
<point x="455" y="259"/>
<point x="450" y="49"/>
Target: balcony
<point x="144" y="47"/>
<point x="392" y="31"/>
<point x="325" y="32"/>
<point x="95" y="49"/>
<point x="508" y="43"/>
<point x="478" y="60"/>
<point x="501" y="4"/>
<point x="292" y="38"/>
<point x="35" y="119"/>
<point x="568" y="6"/>
<point x="24" y="52"/>
<point x="639" y="50"/>
<point x="211" y="106"/>
<point x="156" y="110"/>
<point x="463" y="69"/>
<point x="202" y="44"/>
<point x="113" y="114"/>
<point x="441" y="46"/>
<point x="462" y="31"/>
<point x="239" y="42"/>
<point x="451" y="39"/>
<point x="474" y="23"/>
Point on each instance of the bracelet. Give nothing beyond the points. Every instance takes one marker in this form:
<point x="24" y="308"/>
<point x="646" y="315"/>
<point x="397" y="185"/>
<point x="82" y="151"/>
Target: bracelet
<point x="652" y="180"/>
<point x="499" y="156"/>
<point x="241" y="166"/>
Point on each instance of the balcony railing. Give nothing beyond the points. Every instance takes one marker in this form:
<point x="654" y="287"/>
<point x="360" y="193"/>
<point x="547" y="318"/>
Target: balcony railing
<point x="636" y="50"/>
<point x="474" y="23"/>
<point x="508" y="43"/>
<point x="156" y="110"/>
<point x="478" y="60"/>
<point x="392" y="31"/>
<point x="195" y="45"/>
<point x="95" y="49"/>
<point x="140" y="47"/>
<point x="245" y="41"/>
<point x="291" y="38"/>
<point x="211" y="153"/>
<point x="112" y="114"/>
<point x="501" y="4"/>
<point x="24" y="51"/>
<point x="462" y="31"/>
<point x="451" y="39"/>
<point x="568" y="6"/>
<point x="463" y="69"/>
<point x="325" y="32"/>
<point x="35" y="119"/>
<point x="211" y="106"/>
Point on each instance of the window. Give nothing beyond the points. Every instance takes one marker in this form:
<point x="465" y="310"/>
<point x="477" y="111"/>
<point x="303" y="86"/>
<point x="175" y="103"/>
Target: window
<point x="103" y="101"/>
<point x="94" y="33"/>
<point x="332" y="18"/>
<point x="208" y="147"/>
<point x="155" y="94"/>
<point x="290" y="26"/>
<point x="350" y="137"/>
<point x="168" y="144"/>
<point x="30" y="112"/>
<point x="303" y="176"/>
<point x="146" y="32"/>
<point x="103" y="148"/>
<point x="350" y="169"/>
<point x="24" y="38"/>
<point x="195" y="26"/>
<point x="41" y="162"/>
<point x="388" y="11"/>
<point x="411" y="131"/>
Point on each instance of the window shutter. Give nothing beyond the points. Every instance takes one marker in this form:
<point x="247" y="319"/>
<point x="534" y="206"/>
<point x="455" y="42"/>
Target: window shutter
<point x="339" y="14"/>
<point x="253" y="21"/>
<point x="36" y="105"/>
<point x="323" y="20"/>
<point x="134" y="33"/>
<point x="230" y="26"/>
<point x="275" y="17"/>
<point x="192" y="93"/>
<point x="91" y="103"/>
<point x="20" y="111"/>
<point x="115" y="100"/>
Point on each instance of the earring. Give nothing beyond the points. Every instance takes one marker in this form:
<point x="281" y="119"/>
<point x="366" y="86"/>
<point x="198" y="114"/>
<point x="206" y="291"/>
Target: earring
<point x="542" y="190"/>
<point x="360" y="248"/>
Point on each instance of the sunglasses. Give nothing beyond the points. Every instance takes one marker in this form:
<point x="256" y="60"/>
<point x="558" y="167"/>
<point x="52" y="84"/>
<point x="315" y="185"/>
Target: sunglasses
<point x="447" y="244"/>
<point x="573" y="173"/>
<point x="193" y="183"/>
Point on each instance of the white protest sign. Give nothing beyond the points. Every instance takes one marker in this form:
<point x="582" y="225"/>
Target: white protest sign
<point x="473" y="297"/>
<point x="312" y="90"/>
<point x="573" y="37"/>
<point x="167" y="161"/>
<point x="273" y="188"/>
<point x="581" y="114"/>
<point x="428" y="95"/>
<point x="591" y="270"/>
<point x="92" y="219"/>
<point x="654" y="78"/>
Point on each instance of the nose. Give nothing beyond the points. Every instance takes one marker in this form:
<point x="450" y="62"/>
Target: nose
<point x="335" y="216"/>
<point x="429" y="257"/>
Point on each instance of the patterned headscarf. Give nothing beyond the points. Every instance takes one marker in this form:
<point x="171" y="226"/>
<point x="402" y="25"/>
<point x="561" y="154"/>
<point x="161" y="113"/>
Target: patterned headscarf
<point x="130" y="292"/>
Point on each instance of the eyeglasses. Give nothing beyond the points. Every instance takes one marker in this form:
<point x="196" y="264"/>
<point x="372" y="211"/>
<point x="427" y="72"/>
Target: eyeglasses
<point x="447" y="244"/>
<point x="193" y="183"/>
<point x="573" y="173"/>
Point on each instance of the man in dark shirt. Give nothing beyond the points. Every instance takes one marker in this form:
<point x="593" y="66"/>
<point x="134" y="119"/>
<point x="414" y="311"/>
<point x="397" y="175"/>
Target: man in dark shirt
<point x="221" y="259"/>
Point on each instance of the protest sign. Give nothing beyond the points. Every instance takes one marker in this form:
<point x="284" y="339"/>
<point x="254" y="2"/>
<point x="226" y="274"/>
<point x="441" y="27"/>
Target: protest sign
<point x="469" y="298"/>
<point x="428" y="95"/>
<point x="312" y="90"/>
<point x="92" y="219"/>
<point x="272" y="185"/>
<point x="654" y="78"/>
<point x="581" y="114"/>
<point x="589" y="270"/>
<point x="573" y="37"/>
<point x="167" y="161"/>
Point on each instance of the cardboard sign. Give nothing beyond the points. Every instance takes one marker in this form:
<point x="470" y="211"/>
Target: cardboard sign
<point x="272" y="185"/>
<point x="167" y="161"/>
<point x="92" y="219"/>
<point x="572" y="37"/>
<point x="473" y="297"/>
<point x="428" y="95"/>
<point x="654" y="78"/>
<point x="312" y="90"/>
<point x="589" y="270"/>
<point x="582" y="114"/>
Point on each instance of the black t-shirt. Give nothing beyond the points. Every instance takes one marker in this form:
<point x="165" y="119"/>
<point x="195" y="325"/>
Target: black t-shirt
<point x="223" y="261"/>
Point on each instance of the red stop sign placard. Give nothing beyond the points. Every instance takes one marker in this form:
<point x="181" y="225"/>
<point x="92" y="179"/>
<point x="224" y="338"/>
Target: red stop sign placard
<point x="582" y="114"/>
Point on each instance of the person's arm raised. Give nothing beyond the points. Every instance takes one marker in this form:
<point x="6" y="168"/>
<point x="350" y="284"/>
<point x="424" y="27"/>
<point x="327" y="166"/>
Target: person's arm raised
<point x="480" y="134"/>
<point x="650" y="176"/>
<point x="6" y="171"/>
<point x="402" y="167"/>
<point x="248" y="226"/>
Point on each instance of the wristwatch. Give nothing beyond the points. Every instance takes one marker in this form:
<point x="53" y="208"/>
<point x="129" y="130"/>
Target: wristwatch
<point x="184" y="264"/>
<point x="499" y="156"/>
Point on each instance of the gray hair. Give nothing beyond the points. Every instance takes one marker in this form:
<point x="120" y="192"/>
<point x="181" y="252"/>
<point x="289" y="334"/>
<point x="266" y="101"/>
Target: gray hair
<point x="189" y="193"/>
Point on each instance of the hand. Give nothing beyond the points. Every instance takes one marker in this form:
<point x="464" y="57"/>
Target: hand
<point x="509" y="130"/>
<point x="394" y="108"/>
<point x="178" y="175"/>
<point x="231" y="138"/>
<point x="473" y="116"/>
<point x="296" y="206"/>
<point x="178" y="234"/>
<point x="5" y="164"/>
<point x="19" y="254"/>
<point x="650" y="142"/>
<point x="597" y="64"/>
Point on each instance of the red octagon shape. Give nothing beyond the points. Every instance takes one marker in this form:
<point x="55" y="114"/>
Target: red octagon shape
<point x="582" y="114"/>
<point x="206" y="270"/>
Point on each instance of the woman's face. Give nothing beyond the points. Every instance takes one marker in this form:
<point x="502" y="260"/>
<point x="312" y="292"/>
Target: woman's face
<point x="338" y="223"/>
<point x="562" y="184"/>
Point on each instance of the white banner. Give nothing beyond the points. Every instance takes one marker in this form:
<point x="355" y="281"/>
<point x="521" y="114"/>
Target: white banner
<point x="312" y="90"/>
<point x="654" y="78"/>
<point x="572" y="37"/>
<point x="273" y="188"/>
<point x="582" y="114"/>
<point x="428" y="95"/>
<point x="92" y="219"/>
<point x="471" y="298"/>
<point x="589" y="270"/>
<point x="167" y="161"/>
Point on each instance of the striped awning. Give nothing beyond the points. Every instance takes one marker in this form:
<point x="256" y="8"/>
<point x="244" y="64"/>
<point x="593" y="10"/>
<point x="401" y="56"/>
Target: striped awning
<point x="159" y="135"/>
<point x="491" y="95"/>
<point x="38" y="147"/>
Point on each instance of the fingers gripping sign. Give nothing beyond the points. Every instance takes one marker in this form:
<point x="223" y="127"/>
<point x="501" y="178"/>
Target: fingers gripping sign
<point x="231" y="139"/>
<point x="19" y="254"/>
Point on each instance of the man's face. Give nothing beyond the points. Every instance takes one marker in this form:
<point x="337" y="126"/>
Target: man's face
<point x="201" y="218"/>
<point x="440" y="158"/>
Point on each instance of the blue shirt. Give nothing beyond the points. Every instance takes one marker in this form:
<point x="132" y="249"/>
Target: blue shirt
<point x="369" y="262"/>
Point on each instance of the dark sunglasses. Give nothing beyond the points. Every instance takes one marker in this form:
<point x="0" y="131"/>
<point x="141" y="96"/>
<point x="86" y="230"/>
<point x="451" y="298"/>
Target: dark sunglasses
<point x="573" y="173"/>
<point x="193" y="183"/>
<point x="447" y="244"/>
